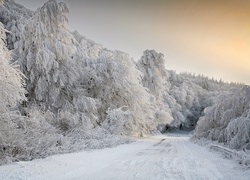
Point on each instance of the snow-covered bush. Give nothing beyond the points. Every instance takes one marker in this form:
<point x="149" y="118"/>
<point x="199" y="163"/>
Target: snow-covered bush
<point x="27" y="138"/>
<point x="228" y="119"/>
<point x="120" y="122"/>
<point x="238" y="133"/>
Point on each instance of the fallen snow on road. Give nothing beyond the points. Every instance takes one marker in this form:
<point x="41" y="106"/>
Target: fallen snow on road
<point x="170" y="156"/>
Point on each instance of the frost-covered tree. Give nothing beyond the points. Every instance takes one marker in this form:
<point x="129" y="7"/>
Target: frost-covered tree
<point x="189" y="100"/>
<point x="154" y="77"/>
<point x="14" y="17"/>
<point x="228" y="119"/>
<point x="11" y="90"/>
<point x="175" y="94"/>
<point x="69" y="73"/>
<point x="114" y="79"/>
<point x="211" y="84"/>
<point x="11" y="94"/>
<point x="46" y="53"/>
<point x="154" y="72"/>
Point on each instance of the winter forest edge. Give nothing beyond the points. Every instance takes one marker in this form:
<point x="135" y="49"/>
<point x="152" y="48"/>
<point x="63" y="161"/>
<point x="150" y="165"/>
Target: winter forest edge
<point x="61" y="92"/>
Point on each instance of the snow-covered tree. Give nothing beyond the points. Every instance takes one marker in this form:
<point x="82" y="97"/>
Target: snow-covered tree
<point x="11" y="94"/>
<point x="11" y="90"/>
<point x="154" y="77"/>
<point x="189" y="100"/>
<point x="154" y="72"/>
<point x="228" y="119"/>
<point x="211" y="84"/>
<point x="175" y="94"/>
<point x="114" y="79"/>
<point x="14" y="17"/>
<point x="46" y="52"/>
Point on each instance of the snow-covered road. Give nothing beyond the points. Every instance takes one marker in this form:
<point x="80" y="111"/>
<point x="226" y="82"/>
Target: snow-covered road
<point x="170" y="156"/>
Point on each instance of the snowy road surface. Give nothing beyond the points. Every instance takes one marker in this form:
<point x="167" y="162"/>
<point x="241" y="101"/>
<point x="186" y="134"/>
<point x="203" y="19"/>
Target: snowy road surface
<point x="170" y="156"/>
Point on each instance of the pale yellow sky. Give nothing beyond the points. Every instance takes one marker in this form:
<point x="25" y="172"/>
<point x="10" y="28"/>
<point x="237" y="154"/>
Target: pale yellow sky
<point x="210" y="37"/>
<point x="213" y="35"/>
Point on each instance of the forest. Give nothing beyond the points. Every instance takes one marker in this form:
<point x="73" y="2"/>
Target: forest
<point x="61" y="92"/>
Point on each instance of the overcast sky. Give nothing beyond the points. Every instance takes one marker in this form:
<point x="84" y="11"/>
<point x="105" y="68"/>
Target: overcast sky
<point x="205" y="37"/>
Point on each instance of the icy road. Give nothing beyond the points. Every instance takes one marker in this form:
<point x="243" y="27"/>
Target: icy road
<point x="170" y="156"/>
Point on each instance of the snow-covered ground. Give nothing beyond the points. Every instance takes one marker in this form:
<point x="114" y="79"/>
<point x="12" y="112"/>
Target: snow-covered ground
<point x="170" y="156"/>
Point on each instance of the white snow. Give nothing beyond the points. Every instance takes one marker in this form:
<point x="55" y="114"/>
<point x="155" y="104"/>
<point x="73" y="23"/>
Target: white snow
<point x="170" y="156"/>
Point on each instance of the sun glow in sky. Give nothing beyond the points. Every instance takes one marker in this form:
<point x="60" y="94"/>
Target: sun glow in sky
<point x="210" y="37"/>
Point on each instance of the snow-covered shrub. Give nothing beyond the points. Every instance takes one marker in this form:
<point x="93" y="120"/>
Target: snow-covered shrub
<point x="27" y="138"/>
<point x="238" y="133"/>
<point x="11" y="138"/>
<point x="40" y="138"/>
<point x="228" y="119"/>
<point x="119" y="122"/>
